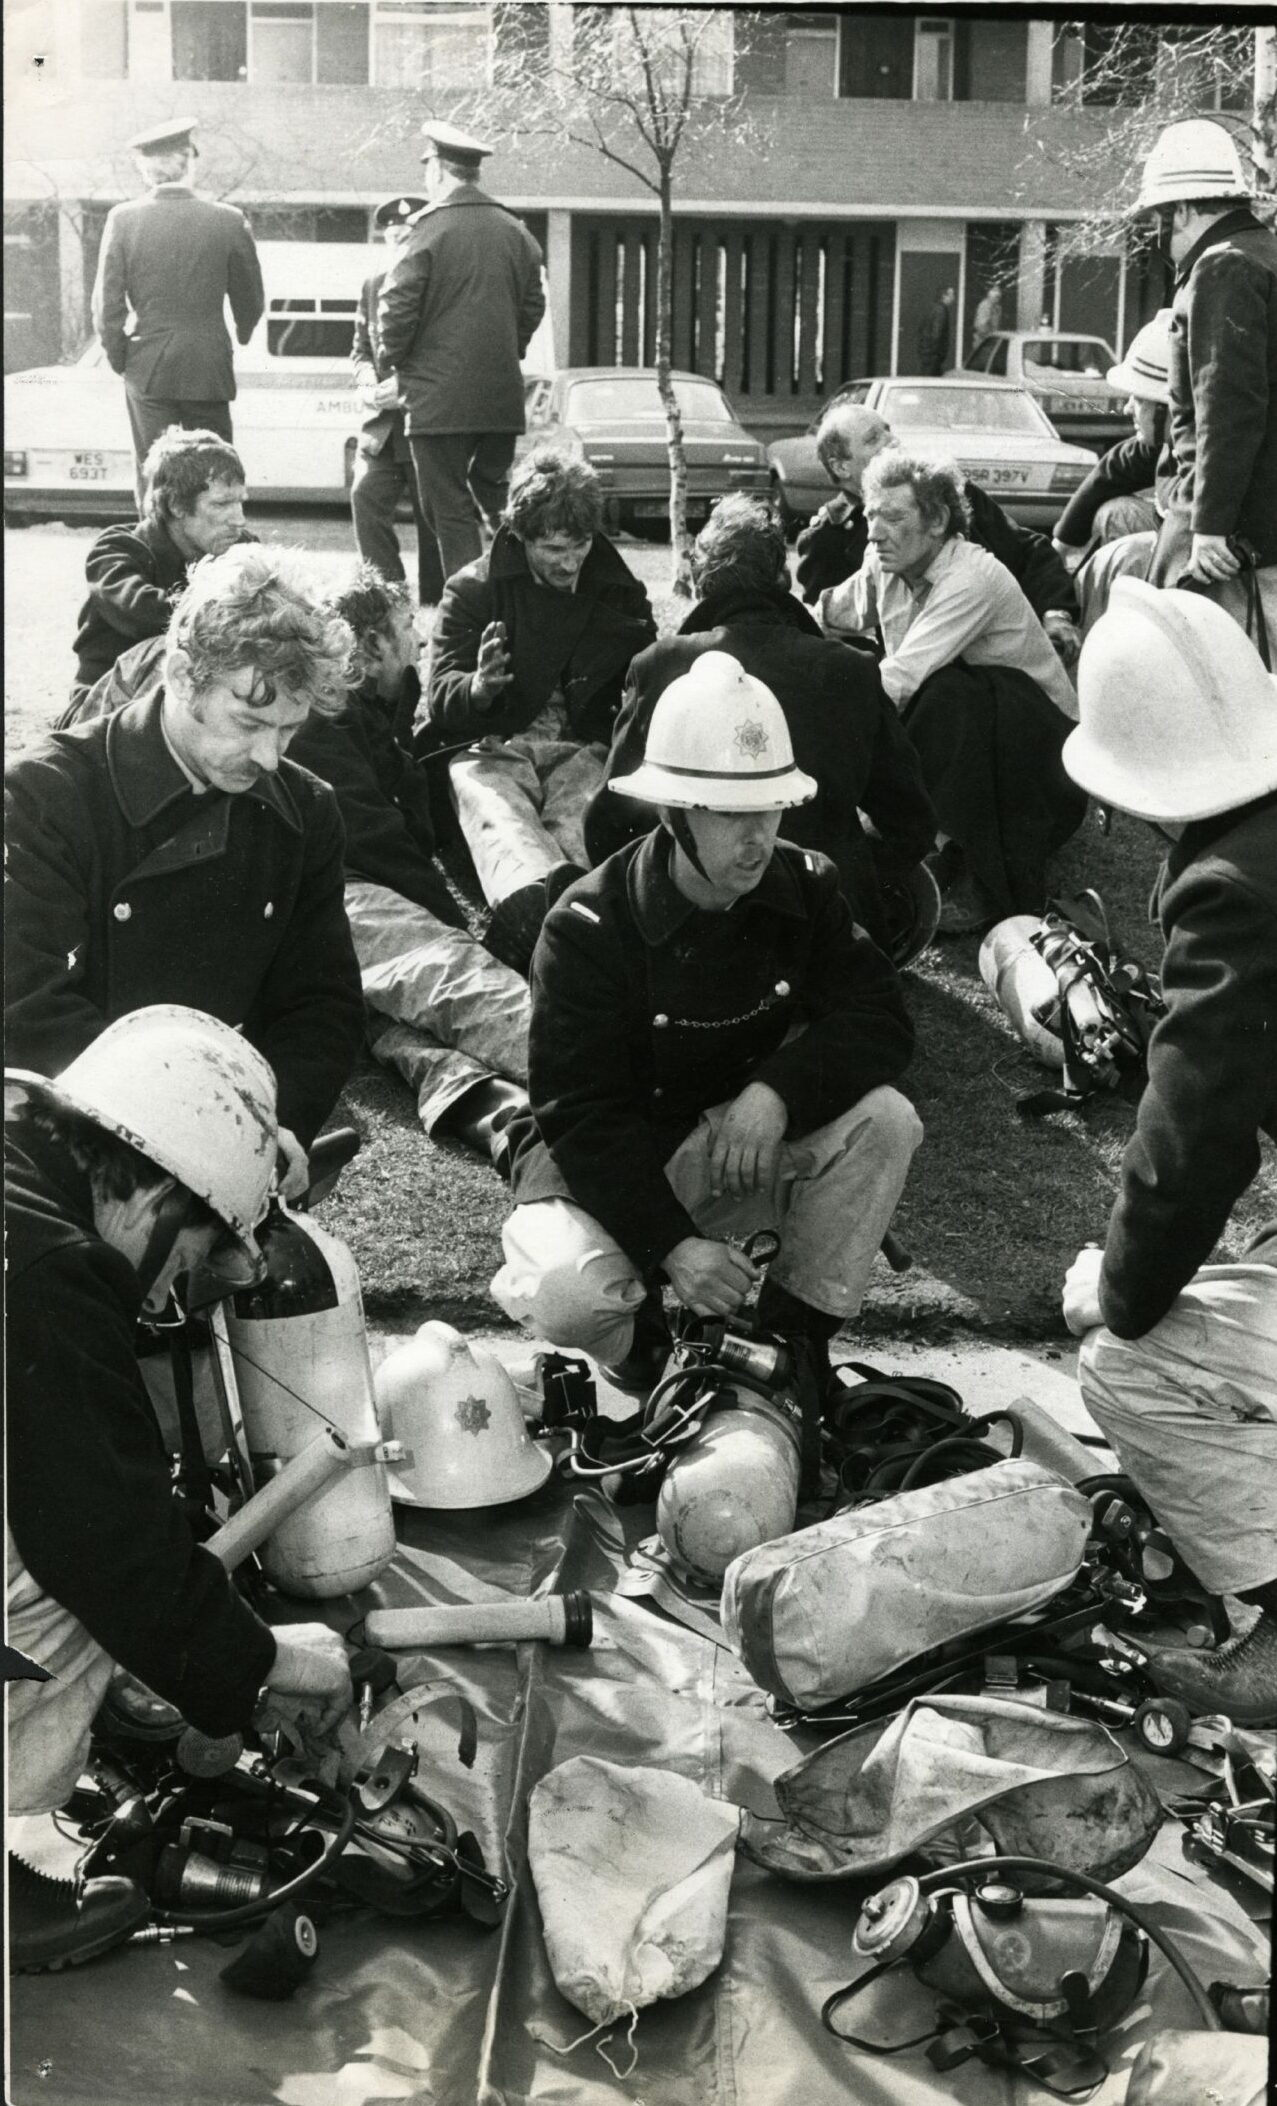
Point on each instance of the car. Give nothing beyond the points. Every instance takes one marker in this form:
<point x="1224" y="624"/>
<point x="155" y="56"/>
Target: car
<point x="995" y="431"/>
<point x="1066" y="372"/>
<point x="67" y="446"/>
<point x="614" y="417"/>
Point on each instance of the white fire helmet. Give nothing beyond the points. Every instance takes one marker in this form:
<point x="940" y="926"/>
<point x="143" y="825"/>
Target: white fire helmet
<point x="718" y="742"/>
<point x="453" y="1404"/>
<point x="1145" y="372"/>
<point x="1178" y="719"/>
<point x="1195" y="158"/>
<point x="190" y="1094"/>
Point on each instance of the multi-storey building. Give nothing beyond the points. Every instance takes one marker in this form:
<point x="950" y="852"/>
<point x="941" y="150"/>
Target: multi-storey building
<point x="880" y="157"/>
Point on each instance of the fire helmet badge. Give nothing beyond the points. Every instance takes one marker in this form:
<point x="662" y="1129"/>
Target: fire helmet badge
<point x="751" y="739"/>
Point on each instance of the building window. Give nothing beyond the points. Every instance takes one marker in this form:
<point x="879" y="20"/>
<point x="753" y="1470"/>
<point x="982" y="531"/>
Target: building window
<point x="430" y="45"/>
<point x="210" y="39"/>
<point x="283" y="42"/>
<point x="1109" y="64"/>
<point x="663" y="36"/>
<point x="933" y="59"/>
<point x="104" y="40"/>
<point x="875" y="56"/>
<point x="341" y="43"/>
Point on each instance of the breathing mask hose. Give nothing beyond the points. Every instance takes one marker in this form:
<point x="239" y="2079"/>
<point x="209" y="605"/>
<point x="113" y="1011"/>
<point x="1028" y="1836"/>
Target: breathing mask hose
<point x="252" y="1911"/>
<point x="980" y="1867"/>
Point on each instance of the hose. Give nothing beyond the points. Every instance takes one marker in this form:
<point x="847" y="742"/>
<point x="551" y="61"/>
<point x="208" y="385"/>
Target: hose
<point x="250" y="1911"/>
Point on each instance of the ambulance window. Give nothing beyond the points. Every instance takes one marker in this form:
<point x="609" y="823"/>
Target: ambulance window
<point x="310" y="328"/>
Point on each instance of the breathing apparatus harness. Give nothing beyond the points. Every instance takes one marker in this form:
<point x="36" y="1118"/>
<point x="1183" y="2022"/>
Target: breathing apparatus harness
<point x="1106" y="1005"/>
<point x="1027" y="1979"/>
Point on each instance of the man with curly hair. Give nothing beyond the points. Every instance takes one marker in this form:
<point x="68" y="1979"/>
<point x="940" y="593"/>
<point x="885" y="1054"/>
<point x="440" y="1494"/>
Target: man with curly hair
<point x="980" y="689"/>
<point x="528" y="660"/>
<point x="169" y="852"/>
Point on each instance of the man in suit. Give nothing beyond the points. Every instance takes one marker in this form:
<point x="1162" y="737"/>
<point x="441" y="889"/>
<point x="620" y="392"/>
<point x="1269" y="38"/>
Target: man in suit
<point x="173" y="259"/>
<point x="383" y="468"/>
<point x="456" y="313"/>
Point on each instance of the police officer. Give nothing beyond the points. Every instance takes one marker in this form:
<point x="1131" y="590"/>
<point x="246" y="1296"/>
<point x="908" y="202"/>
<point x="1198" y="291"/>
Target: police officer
<point x="456" y="313"/>
<point x="174" y="259"/>
<point x="383" y="469"/>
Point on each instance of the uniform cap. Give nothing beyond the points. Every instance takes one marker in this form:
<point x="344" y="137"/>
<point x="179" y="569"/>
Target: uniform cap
<point x="397" y="211"/>
<point x="1146" y="369"/>
<point x="164" y="138"/>
<point x="1196" y="158"/>
<point x="447" y="139"/>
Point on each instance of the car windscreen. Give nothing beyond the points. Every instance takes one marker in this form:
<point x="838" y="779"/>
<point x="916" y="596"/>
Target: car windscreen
<point x="635" y="398"/>
<point x="961" y="409"/>
<point x="1053" y="354"/>
<point x="310" y="328"/>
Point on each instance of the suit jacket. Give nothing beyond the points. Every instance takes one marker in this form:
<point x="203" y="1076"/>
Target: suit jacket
<point x="175" y="259"/>
<point x="456" y="313"/>
<point x="124" y="887"/>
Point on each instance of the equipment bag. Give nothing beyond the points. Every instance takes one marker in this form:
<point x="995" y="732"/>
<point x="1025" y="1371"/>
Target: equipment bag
<point x="825" y="1613"/>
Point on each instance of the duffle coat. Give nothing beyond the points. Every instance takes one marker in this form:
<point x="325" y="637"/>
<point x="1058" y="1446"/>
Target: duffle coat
<point x="125" y="887"/>
<point x="1212" y="1065"/>
<point x="647" y="1010"/>
<point x="90" y="1501"/>
<point x="579" y="642"/>
<point x="455" y="313"/>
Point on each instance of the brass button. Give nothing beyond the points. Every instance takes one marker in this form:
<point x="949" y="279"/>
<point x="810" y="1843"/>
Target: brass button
<point x="658" y="1091"/>
<point x="122" y="910"/>
<point x="268" y="910"/>
<point x="782" y="987"/>
<point x="660" y="1020"/>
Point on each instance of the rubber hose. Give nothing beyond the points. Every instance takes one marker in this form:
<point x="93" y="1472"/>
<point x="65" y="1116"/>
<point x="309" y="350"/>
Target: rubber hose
<point x="249" y="1911"/>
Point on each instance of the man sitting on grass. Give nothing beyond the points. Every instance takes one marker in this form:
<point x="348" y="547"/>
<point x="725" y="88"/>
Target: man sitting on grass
<point x="980" y="689"/>
<point x="528" y="658"/>
<point x="193" y="506"/>
<point x="1179" y="1356"/>
<point x="714" y="1044"/>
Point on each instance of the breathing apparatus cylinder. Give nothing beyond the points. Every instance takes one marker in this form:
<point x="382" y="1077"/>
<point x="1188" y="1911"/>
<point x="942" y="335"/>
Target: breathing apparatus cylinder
<point x="300" y="1351"/>
<point x="734" y="1486"/>
<point x="1022" y="984"/>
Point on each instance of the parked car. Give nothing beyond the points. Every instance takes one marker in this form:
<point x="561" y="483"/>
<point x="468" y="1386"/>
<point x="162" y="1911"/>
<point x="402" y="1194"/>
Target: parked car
<point x="997" y="433"/>
<point x="614" y="416"/>
<point x="67" y="448"/>
<point x="1066" y="373"/>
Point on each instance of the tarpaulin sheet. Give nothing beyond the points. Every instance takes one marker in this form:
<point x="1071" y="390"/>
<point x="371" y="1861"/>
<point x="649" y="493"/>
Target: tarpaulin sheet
<point x="448" y="2014"/>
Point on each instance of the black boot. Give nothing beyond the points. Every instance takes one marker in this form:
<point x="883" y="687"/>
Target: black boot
<point x="1238" y="1678"/>
<point x="650" y="1348"/>
<point x="807" y="1332"/>
<point x="56" y="1923"/>
<point x="481" y="1119"/>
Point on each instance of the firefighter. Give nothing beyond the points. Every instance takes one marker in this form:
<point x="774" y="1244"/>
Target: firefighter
<point x="713" y="1050"/>
<point x="150" y="1156"/>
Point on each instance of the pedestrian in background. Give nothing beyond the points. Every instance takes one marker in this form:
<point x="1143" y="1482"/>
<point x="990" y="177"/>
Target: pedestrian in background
<point x="988" y="315"/>
<point x="456" y="313"/>
<point x="935" y="335"/>
<point x="173" y="259"/>
<point x="383" y="465"/>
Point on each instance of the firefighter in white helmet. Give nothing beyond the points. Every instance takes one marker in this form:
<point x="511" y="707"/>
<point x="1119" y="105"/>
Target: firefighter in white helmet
<point x="150" y="1156"/>
<point x="1218" y="491"/>
<point x="1109" y="527"/>
<point x="712" y="1051"/>
<point x="1179" y="1356"/>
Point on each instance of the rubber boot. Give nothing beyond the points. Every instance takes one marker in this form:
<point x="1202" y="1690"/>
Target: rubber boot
<point x="55" y="1923"/>
<point x="650" y="1348"/>
<point x="481" y="1120"/>
<point x="1239" y="1678"/>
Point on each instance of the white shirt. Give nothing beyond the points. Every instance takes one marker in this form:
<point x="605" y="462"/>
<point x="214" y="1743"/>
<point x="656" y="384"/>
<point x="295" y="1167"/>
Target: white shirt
<point x="965" y="605"/>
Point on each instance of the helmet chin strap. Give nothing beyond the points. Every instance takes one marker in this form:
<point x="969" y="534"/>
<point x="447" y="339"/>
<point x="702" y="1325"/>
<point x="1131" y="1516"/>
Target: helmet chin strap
<point x="170" y="1219"/>
<point x="680" y="827"/>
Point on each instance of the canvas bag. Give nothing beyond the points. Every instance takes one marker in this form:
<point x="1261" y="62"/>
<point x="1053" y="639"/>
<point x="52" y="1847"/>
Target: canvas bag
<point x="825" y="1613"/>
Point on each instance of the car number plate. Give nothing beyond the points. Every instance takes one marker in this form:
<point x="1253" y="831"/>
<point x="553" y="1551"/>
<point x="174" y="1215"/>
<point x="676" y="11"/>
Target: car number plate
<point x="998" y="475"/>
<point x="1076" y="406"/>
<point x="87" y="468"/>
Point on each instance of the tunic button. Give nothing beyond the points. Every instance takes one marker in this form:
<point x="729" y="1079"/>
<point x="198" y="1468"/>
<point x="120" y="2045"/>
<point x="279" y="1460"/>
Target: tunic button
<point x="782" y="987"/>
<point x="660" y="1021"/>
<point x="123" y="911"/>
<point x="658" y="1091"/>
<point x="268" y="909"/>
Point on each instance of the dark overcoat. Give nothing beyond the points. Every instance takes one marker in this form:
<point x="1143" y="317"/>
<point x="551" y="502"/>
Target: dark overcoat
<point x="175" y="259"/>
<point x="456" y="312"/>
<point x="133" y="573"/>
<point x="646" y="1011"/>
<point x="125" y="887"/>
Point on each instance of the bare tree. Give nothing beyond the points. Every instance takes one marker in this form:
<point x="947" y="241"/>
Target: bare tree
<point x="645" y="88"/>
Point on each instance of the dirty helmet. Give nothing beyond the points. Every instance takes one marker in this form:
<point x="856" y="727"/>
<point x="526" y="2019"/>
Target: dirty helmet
<point x="718" y="742"/>
<point x="1193" y="159"/>
<point x="1145" y="372"/>
<point x="1178" y="719"/>
<point x="191" y="1095"/>
<point x="454" y="1406"/>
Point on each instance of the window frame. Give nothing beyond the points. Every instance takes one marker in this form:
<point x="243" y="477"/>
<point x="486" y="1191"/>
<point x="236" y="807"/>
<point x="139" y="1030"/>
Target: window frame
<point x="458" y="12"/>
<point x="250" y="56"/>
<point x="921" y="23"/>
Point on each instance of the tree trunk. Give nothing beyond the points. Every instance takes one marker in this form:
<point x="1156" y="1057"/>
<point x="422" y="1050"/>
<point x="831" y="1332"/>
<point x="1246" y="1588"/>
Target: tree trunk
<point x="680" y="543"/>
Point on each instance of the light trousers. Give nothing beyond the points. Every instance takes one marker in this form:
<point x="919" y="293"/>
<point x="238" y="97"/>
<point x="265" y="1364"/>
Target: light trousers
<point x="521" y="803"/>
<point x="459" y="1014"/>
<point x="1191" y="1411"/>
<point x="832" y="1200"/>
<point x="48" y="1722"/>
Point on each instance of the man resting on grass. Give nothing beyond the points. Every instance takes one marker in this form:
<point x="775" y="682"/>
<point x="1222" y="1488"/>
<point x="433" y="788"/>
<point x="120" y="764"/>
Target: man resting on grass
<point x="1179" y="1356"/>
